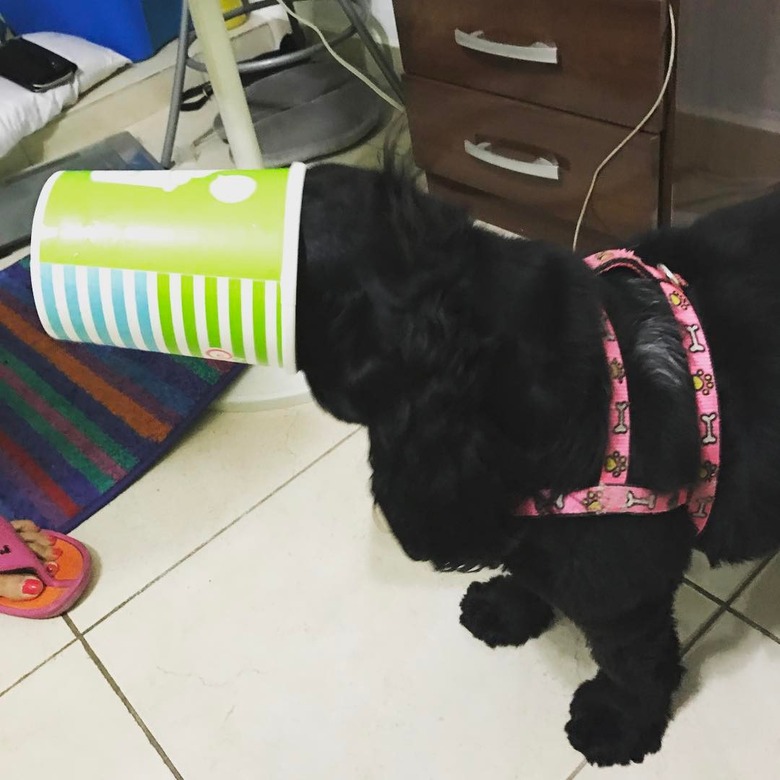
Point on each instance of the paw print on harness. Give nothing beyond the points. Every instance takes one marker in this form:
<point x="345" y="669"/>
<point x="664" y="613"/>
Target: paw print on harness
<point x="592" y="502"/>
<point x="703" y="383"/>
<point x="707" y="471"/>
<point x="617" y="370"/>
<point x="676" y="298"/>
<point x="615" y="463"/>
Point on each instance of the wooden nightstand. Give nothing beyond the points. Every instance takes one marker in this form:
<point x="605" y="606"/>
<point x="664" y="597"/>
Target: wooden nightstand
<point x="512" y="105"/>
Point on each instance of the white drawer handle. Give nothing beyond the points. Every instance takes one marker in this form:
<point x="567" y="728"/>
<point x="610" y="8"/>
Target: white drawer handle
<point x="536" y="52"/>
<point x="541" y="168"/>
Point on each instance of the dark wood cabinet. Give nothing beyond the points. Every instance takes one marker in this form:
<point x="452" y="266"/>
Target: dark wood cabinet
<point x="513" y="104"/>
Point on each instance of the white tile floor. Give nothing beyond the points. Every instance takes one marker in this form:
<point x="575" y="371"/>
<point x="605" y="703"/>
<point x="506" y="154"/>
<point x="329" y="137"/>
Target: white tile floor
<point x="249" y="620"/>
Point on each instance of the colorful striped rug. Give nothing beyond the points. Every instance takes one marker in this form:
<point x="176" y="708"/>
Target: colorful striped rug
<point x="78" y="423"/>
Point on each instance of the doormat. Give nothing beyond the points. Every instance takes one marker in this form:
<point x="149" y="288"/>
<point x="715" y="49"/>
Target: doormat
<point x="80" y="423"/>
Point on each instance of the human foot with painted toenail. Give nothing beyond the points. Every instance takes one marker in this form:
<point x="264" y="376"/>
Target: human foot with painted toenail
<point x="42" y="573"/>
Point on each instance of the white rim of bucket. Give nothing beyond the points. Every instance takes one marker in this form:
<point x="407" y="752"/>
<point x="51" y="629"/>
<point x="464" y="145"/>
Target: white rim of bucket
<point x="36" y="236"/>
<point x="289" y="276"/>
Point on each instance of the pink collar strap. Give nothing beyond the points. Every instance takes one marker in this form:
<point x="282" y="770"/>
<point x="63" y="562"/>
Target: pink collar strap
<point x="613" y="495"/>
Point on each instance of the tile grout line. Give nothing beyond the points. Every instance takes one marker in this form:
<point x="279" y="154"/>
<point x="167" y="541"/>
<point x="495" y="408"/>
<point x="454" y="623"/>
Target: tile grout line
<point x="749" y="580"/>
<point x="703" y="592"/>
<point x="724" y="608"/>
<point x="752" y="623"/>
<point x="36" y="668"/>
<point x="221" y="531"/>
<point x="740" y="587"/>
<point x="686" y="646"/>
<point x="732" y="610"/>
<point x="125" y="701"/>
<point x="578" y="769"/>
<point x="702" y="629"/>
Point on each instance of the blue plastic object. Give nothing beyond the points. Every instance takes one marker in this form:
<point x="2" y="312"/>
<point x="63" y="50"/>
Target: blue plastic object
<point x="135" y="28"/>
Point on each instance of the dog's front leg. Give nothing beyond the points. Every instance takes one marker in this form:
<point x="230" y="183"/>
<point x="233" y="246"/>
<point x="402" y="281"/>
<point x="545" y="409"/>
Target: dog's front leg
<point x="621" y="714"/>
<point x="502" y="612"/>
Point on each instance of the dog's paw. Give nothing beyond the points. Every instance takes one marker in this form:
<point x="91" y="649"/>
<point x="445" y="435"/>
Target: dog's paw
<point x="607" y="735"/>
<point x="499" y="613"/>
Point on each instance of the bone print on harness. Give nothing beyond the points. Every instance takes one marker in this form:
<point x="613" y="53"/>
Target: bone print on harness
<point x="613" y="495"/>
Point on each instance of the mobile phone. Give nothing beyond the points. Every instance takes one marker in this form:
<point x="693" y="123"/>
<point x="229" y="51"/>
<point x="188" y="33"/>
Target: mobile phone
<point x="33" y="67"/>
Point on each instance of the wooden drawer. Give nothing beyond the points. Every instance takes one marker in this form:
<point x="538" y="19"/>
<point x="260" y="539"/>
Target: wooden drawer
<point x="611" y="54"/>
<point x="444" y="118"/>
<point x="525" y="220"/>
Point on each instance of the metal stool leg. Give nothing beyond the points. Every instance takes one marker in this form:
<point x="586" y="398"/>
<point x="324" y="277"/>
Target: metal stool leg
<point x="356" y="20"/>
<point x="177" y="89"/>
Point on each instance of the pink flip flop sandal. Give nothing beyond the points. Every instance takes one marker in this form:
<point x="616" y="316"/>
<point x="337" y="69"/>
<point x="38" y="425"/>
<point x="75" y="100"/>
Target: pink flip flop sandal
<point x="61" y="590"/>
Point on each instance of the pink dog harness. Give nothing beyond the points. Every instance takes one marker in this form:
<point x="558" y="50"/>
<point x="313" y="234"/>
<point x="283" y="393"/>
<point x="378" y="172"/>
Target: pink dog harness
<point x="613" y="494"/>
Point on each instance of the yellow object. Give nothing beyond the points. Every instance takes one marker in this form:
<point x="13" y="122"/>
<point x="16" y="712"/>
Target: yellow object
<point x="231" y="5"/>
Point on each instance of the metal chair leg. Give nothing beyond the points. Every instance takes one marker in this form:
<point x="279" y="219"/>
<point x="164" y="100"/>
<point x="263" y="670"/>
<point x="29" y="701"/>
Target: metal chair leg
<point x="166" y="159"/>
<point x="356" y="20"/>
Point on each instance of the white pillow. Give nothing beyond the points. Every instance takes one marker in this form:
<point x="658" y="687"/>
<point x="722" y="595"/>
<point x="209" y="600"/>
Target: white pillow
<point x="23" y="112"/>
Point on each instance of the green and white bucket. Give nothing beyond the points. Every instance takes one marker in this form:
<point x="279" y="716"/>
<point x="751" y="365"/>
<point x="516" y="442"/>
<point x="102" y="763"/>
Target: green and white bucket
<point x="201" y="263"/>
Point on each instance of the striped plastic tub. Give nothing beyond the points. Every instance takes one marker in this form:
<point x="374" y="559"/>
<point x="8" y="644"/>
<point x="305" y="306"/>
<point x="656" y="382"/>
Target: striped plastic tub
<point x="200" y="263"/>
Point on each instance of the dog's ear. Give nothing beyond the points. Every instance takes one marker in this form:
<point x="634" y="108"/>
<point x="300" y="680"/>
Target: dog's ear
<point x="398" y="324"/>
<point x="373" y="248"/>
<point x="434" y="460"/>
<point x="341" y="350"/>
<point x="433" y="452"/>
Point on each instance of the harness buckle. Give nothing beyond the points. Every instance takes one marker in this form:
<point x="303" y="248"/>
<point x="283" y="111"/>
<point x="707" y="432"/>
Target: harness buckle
<point x="675" y="279"/>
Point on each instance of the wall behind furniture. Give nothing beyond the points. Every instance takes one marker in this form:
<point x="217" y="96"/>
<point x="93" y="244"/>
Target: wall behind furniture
<point x="383" y="13"/>
<point x="730" y="61"/>
<point x="328" y="15"/>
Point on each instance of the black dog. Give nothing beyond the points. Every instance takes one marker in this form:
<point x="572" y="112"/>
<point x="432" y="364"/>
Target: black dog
<point x="477" y="365"/>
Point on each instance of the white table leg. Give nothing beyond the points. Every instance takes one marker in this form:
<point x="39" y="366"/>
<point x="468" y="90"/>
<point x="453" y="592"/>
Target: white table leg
<point x="259" y="387"/>
<point x="223" y="73"/>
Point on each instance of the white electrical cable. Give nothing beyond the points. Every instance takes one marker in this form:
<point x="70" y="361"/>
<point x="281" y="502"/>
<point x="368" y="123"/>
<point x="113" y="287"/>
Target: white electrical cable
<point x="608" y="158"/>
<point x="353" y="70"/>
